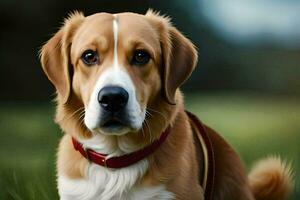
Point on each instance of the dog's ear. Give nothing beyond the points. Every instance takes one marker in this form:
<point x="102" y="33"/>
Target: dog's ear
<point x="179" y="59"/>
<point x="55" y="56"/>
<point x="179" y="55"/>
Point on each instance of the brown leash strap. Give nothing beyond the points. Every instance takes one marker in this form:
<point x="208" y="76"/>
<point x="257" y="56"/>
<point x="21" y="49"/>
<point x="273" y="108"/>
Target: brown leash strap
<point x="207" y="171"/>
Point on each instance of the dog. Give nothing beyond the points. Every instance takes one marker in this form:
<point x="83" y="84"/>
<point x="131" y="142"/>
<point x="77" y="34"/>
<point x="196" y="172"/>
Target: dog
<point x="127" y="134"/>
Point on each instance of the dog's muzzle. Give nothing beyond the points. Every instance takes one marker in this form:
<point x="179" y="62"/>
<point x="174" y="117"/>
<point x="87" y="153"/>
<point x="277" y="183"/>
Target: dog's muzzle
<point x="113" y="101"/>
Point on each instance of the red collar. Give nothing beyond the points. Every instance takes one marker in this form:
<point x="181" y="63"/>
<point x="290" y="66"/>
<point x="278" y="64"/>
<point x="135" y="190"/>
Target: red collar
<point x="120" y="161"/>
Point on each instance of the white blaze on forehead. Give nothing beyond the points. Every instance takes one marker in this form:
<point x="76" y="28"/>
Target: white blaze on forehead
<point x="115" y="31"/>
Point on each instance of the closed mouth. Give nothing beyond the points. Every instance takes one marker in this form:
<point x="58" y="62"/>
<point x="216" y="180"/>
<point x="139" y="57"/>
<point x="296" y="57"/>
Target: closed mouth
<point x="114" y="127"/>
<point x="113" y="124"/>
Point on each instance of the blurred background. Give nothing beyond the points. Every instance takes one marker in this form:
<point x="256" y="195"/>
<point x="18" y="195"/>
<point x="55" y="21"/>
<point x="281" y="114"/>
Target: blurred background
<point x="246" y="85"/>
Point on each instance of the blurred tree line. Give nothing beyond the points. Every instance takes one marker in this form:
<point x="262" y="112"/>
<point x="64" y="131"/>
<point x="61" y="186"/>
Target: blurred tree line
<point x="26" y="25"/>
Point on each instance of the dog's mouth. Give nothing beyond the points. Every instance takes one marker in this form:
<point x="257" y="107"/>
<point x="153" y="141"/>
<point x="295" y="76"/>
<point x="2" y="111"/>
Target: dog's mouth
<point x="116" y="124"/>
<point x="113" y="124"/>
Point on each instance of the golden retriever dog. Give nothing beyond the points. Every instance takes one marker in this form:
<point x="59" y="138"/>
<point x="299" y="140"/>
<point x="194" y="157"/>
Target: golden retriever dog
<point x="126" y="132"/>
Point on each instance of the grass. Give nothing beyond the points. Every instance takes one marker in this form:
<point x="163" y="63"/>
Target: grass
<point x="27" y="151"/>
<point x="255" y="127"/>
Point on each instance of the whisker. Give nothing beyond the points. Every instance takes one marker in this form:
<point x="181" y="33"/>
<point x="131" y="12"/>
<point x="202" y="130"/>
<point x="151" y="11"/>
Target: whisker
<point x="161" y="114"/>
<point x="79" y="110"/>
<point x="82" y="114"/>
<point x="143" y="133"/>
<point x="148" y="113"/>
<point x="148" y="129"/>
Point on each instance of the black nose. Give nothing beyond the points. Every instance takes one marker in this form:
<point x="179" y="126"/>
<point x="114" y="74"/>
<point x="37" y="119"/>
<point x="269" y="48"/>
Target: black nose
<point x="113" y="98"/>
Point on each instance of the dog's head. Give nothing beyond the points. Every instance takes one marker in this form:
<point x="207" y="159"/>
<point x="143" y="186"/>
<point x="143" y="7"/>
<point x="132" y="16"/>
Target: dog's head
<point x="117" y="66"/>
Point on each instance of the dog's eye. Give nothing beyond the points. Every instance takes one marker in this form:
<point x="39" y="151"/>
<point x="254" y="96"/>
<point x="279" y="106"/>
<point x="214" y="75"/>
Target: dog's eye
<point x="90" y="57"/>
<point x="140" y="57"/>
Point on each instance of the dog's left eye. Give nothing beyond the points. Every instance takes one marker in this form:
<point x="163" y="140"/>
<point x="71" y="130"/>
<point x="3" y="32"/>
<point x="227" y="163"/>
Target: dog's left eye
<point x="140" y="57"/>
<point x="90" y="57"/>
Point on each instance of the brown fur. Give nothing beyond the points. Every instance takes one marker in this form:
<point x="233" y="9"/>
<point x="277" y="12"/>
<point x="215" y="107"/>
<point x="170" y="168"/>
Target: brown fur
<point x="271" y="179"/>
<point x="173" y="60"/>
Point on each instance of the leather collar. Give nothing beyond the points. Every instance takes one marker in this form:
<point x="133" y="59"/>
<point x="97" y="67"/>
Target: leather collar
<point x="120" y="161"/>
<point x="207" y="171"/>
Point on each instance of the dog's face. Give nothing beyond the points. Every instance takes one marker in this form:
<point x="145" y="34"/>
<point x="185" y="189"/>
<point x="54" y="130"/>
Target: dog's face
<point x="117" y="65"/>
<point x="115" y="71"/>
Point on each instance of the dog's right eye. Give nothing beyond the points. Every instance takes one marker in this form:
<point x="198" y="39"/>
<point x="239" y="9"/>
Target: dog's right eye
<point x="90" y="57"/>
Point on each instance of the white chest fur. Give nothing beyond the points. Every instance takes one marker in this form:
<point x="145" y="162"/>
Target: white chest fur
<point x="106" y="184"/>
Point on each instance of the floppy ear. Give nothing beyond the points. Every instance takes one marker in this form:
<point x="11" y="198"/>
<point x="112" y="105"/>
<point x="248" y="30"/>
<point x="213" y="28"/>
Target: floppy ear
<point x="179" y="56"/>
<point x="55" y="57"/>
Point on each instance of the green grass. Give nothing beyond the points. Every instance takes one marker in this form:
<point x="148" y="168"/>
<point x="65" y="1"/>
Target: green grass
<point x="254" y="126"/>
<point x="27" y="151"/>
